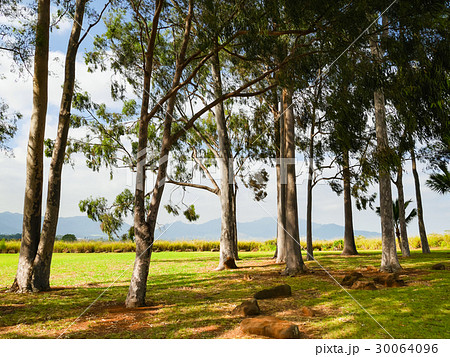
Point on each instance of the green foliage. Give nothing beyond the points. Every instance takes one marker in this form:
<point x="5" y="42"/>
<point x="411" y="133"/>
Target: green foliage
<point x="69" y="238"/>
<point x="2" y="244"/>
<point x="8" y="125"/>
<point x="190" y="214"/>
<point x="440" y="182"/>
<point x="257" y="182"/>
<point x="111" y="218"/>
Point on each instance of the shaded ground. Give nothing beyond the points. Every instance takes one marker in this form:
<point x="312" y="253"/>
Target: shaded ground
<point x="187" y="299"/>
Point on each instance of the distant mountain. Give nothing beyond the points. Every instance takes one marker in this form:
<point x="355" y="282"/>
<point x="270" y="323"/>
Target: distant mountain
<point x="261" y="229"/>
<point x="81" y="226"/>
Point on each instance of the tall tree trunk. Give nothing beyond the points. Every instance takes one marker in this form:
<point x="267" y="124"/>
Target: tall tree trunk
<point x="144" y="227"/>
<point x="309" y="243"/>
<point x="227" y="238"/>
<point x="404" y="244"/>
<point x="32" y="209"/>
<point x="280" y="253"/>
<point x="294" y="261"/>
<point x="280" y="142"/>
<point x="144" y="234"/>
<point x="42" y="262"/>
<point x="389" y="259"/>
<point x="234" y="220"/>
<point x="349" y="235"/>
<point x="422" y="232"/>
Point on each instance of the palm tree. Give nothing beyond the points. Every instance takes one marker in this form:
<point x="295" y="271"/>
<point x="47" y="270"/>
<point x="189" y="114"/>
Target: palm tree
<point x="396" y="215"/>
<point x="440" y="182"/>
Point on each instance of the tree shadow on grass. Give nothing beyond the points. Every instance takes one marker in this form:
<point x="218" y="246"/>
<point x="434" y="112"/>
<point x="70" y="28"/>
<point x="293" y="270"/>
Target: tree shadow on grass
<point x="192" y="305"/>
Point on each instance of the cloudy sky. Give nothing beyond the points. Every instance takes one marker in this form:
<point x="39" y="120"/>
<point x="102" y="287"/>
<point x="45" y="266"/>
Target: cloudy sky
<point x="80" y="182"/>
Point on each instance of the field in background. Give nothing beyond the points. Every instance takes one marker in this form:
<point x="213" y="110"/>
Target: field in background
<point x="434" y="240"/>
<point x="187" y="299"/>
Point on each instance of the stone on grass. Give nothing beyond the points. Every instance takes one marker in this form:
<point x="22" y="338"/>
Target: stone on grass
<point x="389" y="281"/>
<point x="270" y="326"/>
<point x="350" y="279"/>
<point x="438" y="266"/>
<point x="247" y="308"/>
<point x="277" y="291"/>
<point x="308" y="311"/>
<point x="364" y="285"/>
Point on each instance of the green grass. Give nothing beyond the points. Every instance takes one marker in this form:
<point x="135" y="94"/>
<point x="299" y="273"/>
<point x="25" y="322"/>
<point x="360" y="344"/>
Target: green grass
<point x="188" y="299"/>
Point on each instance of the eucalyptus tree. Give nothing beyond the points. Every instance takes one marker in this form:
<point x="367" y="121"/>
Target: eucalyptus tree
<point x="41" y="270"/>
<point x="350" y="136"/>
<point x="242" y="136"/>
<point x="35" y="273"/>
<point x="34" y="173"/>
<point x="297" y="24"/>
<point x="418" y="51"/>
<point x="170" y="53"/>
<point x="389" y="259"/>
<point x="307" y="28"/>
<point x="312" y="145"/>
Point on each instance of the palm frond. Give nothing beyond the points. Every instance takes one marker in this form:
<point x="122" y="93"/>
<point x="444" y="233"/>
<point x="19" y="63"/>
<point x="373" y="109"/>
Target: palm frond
<point x="440" y="183"/>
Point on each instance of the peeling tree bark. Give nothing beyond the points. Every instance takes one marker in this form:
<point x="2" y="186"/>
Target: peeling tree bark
<point x="389" y="259"/>
<point x="294" y="261"/>
<point x="144" y="233"/>
<point x="227" y="234"/>
<point x="280" y="253"/>
<point x="34" y="176"/>
<point x="309" y="192"/>
<point x="42" y="262"/>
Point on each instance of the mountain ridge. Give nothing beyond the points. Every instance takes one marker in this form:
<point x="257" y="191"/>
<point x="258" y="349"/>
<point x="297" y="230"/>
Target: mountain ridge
<point x="261" y="229"/>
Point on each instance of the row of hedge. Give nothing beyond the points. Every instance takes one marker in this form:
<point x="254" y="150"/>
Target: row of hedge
<point x="434" y="240"/>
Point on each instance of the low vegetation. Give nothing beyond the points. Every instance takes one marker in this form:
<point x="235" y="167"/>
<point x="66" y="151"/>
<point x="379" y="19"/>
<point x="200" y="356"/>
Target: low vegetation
<point x="83" y="246"/>
<point x="188" y="299"/>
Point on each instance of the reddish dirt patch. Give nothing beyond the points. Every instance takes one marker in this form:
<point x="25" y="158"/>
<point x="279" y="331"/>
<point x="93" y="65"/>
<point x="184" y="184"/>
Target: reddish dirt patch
<point x="104" y="320"/>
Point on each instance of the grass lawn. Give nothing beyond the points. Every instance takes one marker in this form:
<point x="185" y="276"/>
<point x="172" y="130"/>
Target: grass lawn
<point x="188" y="299"/>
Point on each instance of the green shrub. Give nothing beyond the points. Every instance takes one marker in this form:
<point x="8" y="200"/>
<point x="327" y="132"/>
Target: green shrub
<point x="85" y="246"/>
<point x="415" y="243"/>
<point x="338" y="244"/>
<point x="2" y="245"/>
<point x="12" y="246"/>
